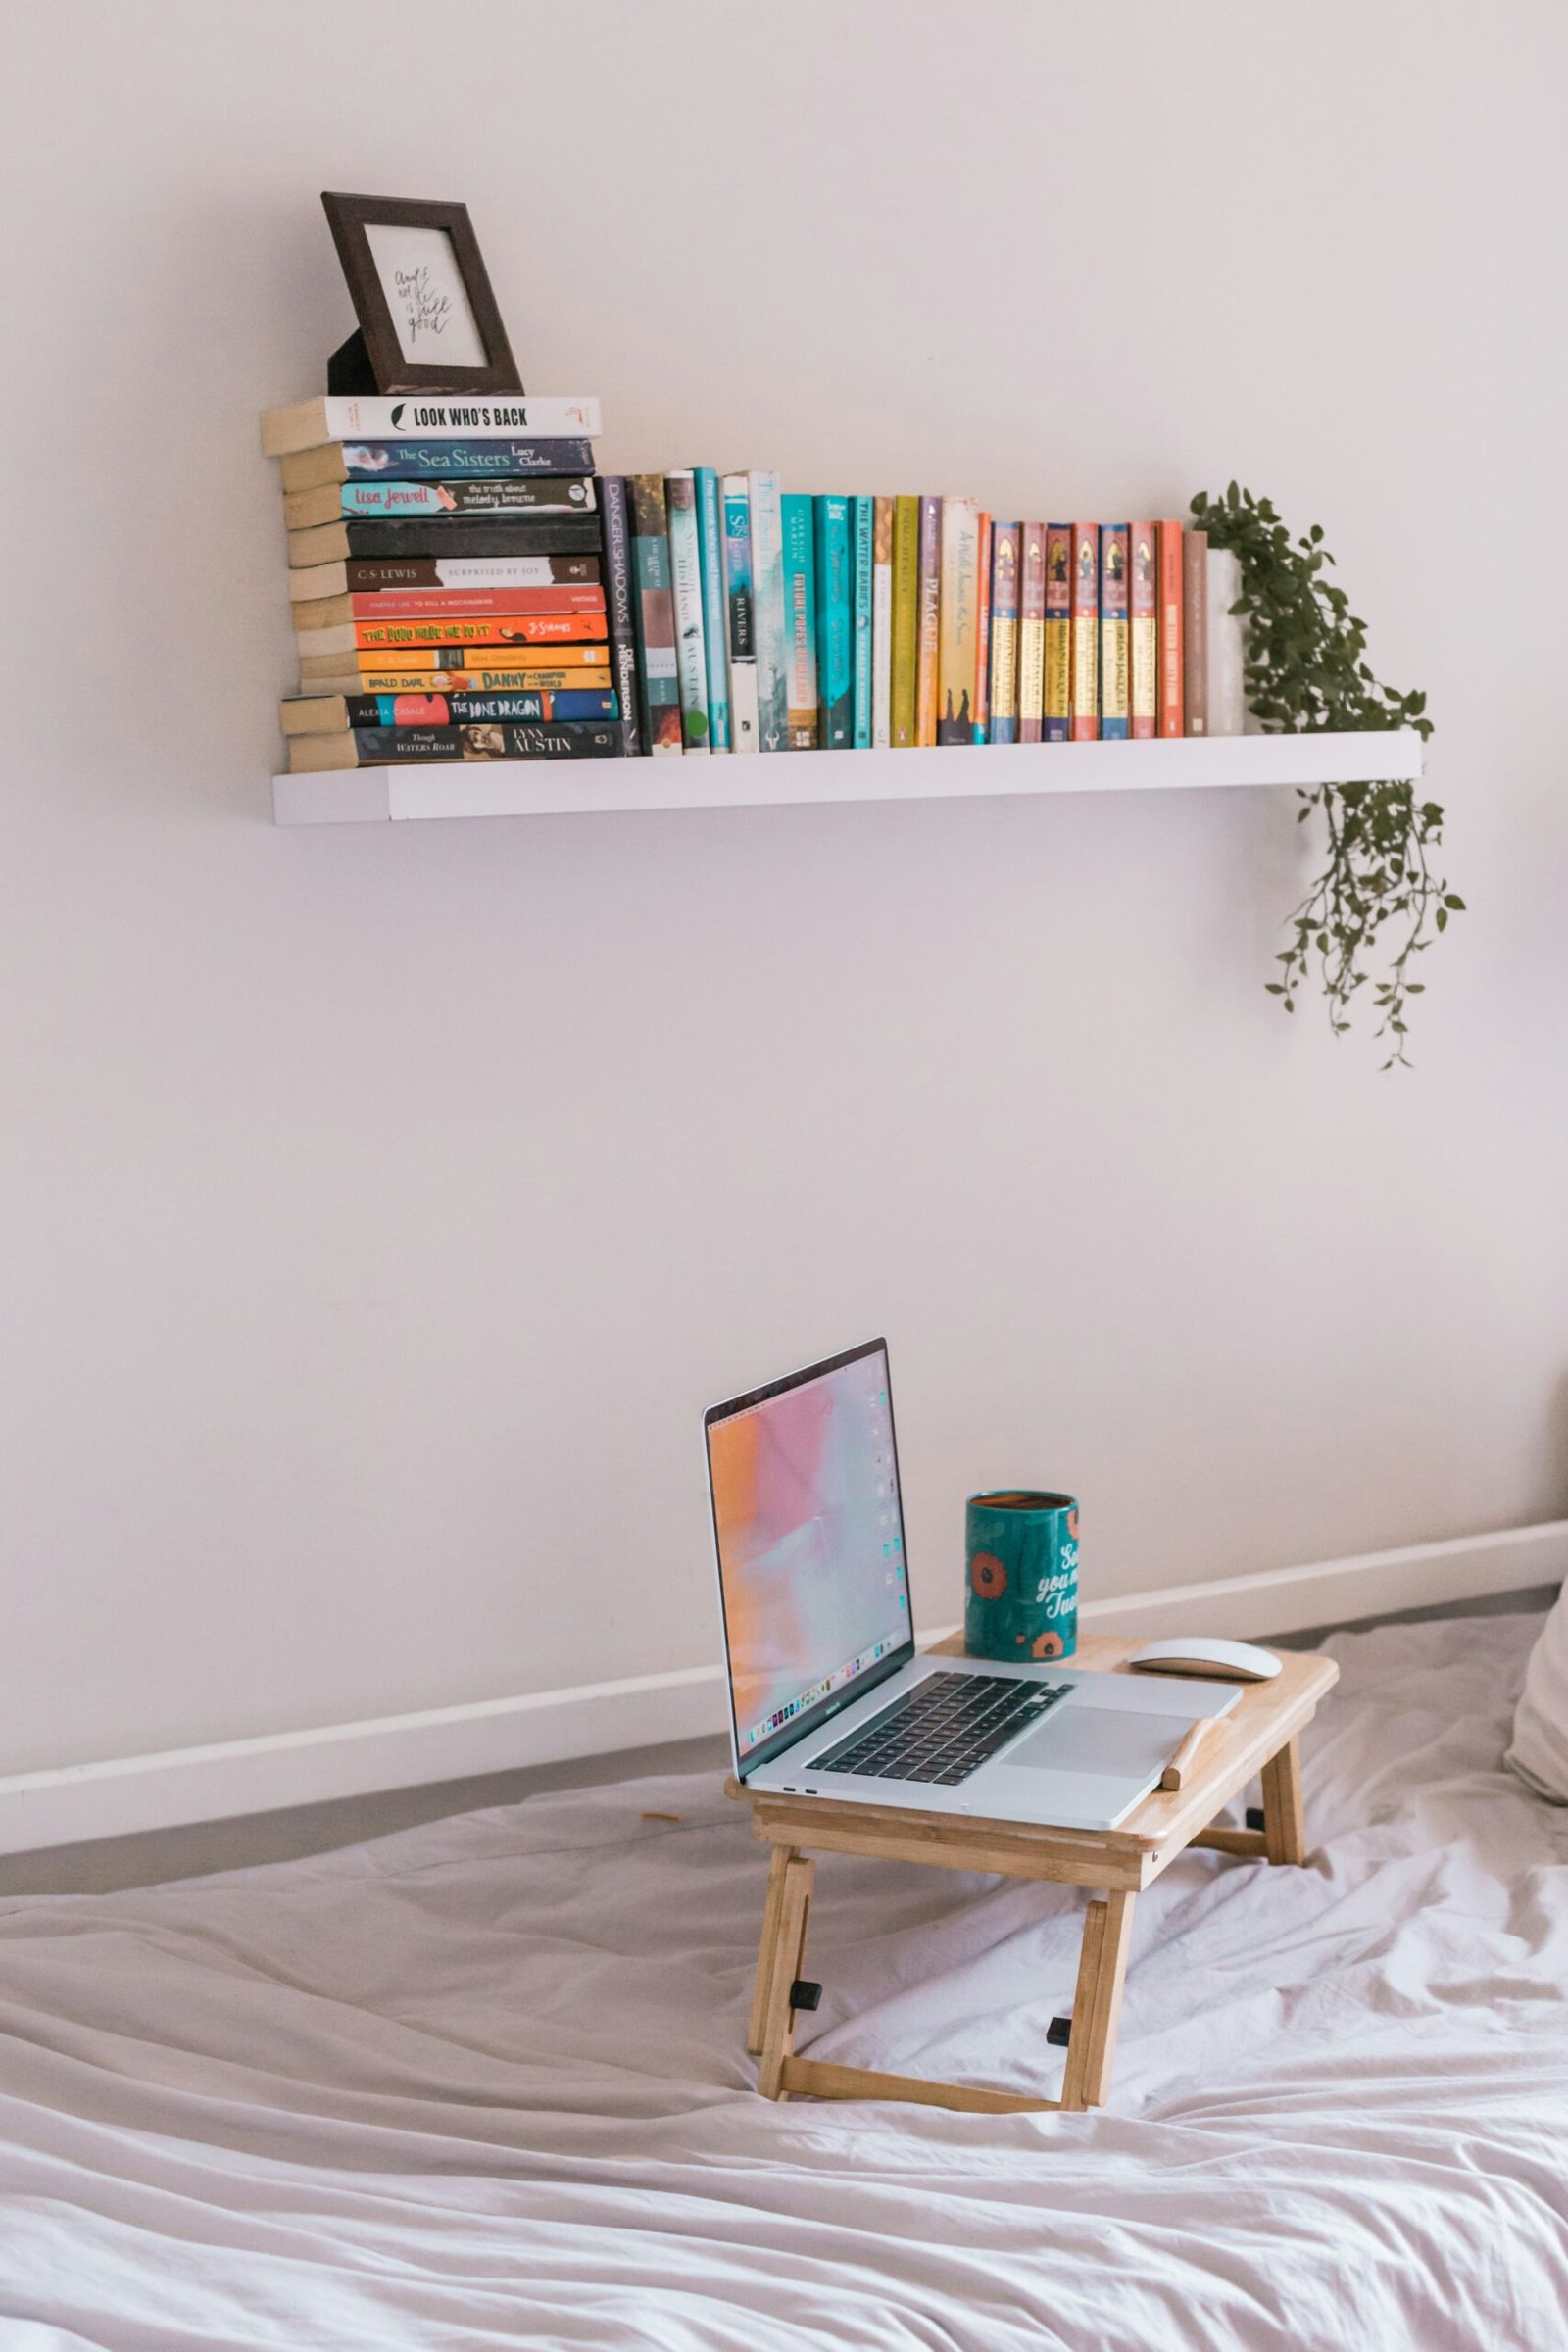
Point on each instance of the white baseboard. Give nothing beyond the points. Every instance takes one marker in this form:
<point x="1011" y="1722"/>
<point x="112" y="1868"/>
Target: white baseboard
<point x="108" y="1799"/>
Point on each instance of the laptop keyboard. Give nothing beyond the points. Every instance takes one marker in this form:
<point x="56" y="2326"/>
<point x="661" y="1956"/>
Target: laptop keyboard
<point x="943" y="1729"/>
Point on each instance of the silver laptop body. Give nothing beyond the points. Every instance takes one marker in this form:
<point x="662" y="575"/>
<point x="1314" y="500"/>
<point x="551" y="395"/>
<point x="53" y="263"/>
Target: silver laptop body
<point x="819" y="1649"/>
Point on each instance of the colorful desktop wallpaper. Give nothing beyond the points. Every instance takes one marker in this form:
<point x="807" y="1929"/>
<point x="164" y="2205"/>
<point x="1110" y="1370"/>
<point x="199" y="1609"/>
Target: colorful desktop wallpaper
<point x="811" y="1543"/>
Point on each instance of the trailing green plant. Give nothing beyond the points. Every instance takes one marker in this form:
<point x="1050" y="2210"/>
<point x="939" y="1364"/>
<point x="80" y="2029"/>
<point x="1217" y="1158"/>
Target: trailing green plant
<point x="1307" y="673"/>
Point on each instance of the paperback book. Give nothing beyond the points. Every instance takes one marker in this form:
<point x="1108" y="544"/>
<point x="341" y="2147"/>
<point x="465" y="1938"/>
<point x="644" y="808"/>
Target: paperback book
<point x="375" y="577"/>
<point x="332" y="713"/>
<point x="447" y="535"/>
<point x="739" y="617"/>
<point x="655" y="614"/>
<point x="835" y="625"/>
<point x="800" y="610"/>
<point x="544" y="494"/>
<point x="686" y="583"/>
<point x="768" y="604"/>
<point x="427" y="417"/>
<point x="394" y="747"/>
<point x="430" y="461"/>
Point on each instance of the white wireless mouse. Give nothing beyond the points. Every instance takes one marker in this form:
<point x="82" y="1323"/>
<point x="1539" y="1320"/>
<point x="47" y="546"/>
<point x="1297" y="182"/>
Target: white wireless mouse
<point x="1205" y="1653"/>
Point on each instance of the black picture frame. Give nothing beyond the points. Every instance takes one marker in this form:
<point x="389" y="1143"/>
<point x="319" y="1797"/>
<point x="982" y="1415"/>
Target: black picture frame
<point x="382" y="356"/>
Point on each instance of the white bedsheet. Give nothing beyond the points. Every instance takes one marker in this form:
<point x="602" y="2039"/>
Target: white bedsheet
<point x="483" y="2084"/>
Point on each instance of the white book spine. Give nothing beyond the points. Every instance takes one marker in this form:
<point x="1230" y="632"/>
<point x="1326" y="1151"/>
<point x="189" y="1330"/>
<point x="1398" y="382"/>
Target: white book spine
<point x="740" y="610"/>
<point x="881" y="657"/>
<point x="767" y="596"/>
<point x="424" y="416"/>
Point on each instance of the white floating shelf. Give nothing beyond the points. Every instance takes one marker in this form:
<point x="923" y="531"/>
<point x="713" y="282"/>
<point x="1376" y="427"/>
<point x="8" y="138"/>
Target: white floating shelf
<point x="952" y="771"/>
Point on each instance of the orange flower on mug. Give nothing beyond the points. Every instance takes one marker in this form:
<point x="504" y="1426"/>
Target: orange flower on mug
<point x="1072" y="1530"/>
<point x="988" y="1576"/>
<point x="1047" y="1646"/>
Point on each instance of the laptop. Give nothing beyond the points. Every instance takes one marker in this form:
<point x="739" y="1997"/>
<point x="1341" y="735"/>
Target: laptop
<point x="828" y="1697"/>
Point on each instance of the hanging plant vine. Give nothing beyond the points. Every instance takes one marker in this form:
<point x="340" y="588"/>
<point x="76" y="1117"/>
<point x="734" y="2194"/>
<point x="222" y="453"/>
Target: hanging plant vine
<point x="1307" y="673"/>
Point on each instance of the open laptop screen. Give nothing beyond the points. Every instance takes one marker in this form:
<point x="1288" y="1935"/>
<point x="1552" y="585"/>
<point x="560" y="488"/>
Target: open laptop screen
<point x="810" y="1534"/>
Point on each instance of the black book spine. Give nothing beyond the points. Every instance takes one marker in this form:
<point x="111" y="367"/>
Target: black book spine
<point x="527" y="535"/>
<point x="425" y="571"/>
<point x="386" y="747"/>
<point x="620" y="606"/>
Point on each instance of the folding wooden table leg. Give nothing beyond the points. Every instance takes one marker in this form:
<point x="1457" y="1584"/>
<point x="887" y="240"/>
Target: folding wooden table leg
<point x="788" y="1954"/>
<point x="1097" y="2001"/>
<point x="1283" y="1822"/>
<point x="778" y="1863"/>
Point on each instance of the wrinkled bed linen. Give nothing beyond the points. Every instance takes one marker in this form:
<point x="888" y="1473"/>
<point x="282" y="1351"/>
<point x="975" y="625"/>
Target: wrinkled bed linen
<point x="483" y="2082"/>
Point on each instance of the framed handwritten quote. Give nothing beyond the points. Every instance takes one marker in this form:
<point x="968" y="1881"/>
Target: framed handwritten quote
<point x="427" y="319"/>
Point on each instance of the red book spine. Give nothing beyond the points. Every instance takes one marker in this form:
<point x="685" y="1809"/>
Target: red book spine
<point x="982" y="681"/>
<point x="468" y="604"/>
<point x="1085" y="632"/>
<point x="1032" y="633"/>
<point x="1143" y="609"/>
<point x="1195" y="631"/>
<point x="1172" y="718"/>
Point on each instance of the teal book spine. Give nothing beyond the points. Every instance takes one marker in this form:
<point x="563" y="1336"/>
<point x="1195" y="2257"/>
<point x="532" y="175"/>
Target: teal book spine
<point x="686" y="586"/>
<point x="800" y="619"/>
<point x="862" y="532"/>
<point x="835" y="625"/>
<point x="710" y="555"/>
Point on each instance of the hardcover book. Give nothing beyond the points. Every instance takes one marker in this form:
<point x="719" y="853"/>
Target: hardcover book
<point x="374" y="578"/>
<point x="621" y="599"/>
<point x="1195" y="631"/>
<point x="348" y="678"/>
<point x="656" y="613"/>
<point x="331" y="713"/>
<point x="541" y="494"/>
<point x="1002" y="725"/>
<point x="443" y="603"/>
<point x="1085" y="632"/>
<point x="447" y="535"/>
<point x="768" y="605"/>
<point x="905" y="687"/>
<point x="928" y="639"/>
<point x="958" y="620"/>
<point x="1057" y="723"/>
<point x="430" y="461"/>
<point x="1143" y="629"/>
<point x="1172" y="714"/>
<point x="395" y="746"/>
<point x="1031" y="631"/>
<point x="800" y="610"/>
<point x="862" y="538"/>
<point x="982" y="641"/>
<point x="709" y="553"/>
<point x="835" y="625"/>
<point x="1114" y="703"/>
<point x="882" y="624"/>
<point x="740" y="630"/>
<point x="427" y="417"/>
<point x="490" y="629"/>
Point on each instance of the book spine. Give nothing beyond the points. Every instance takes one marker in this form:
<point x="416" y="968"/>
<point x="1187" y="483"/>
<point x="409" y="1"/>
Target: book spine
<point x="1227" y="645"/>
<point x="1143" y="629"/>
<point x="379" y="747"/>
<point x="1195" y="631"/>
<point x="862" y="539"/>
<point x="473" y="710"/>
<point x="473" y="680"/>
<point x="768" y="605"/>
<point x="446" y="535"/>
<point x="655" y="614"/>
<point x="800" y="608"/>
<point x="1172" y="716"/>
<point x="882" y="624"/>
<point x="307" y="423"/>
<point x="360" y="578"/>
<point x="740" y="613"/>
<point x="437" y="604"/>
<point x="1002" y="722"/>
<point x="454" y="657"/>
<point x="449" y="461"/>
<point x="709" y="538"/>
<point x="982" y="636"/>
<point x="621" y="601"/>
<point x="928" y="642"/>
<point x="539" y="495"/>
<point x="958" y="616"/>
<point x="1031" y="631"/>
<point x="686" y="584"/>
<point x="1115" y="711"/>
<point x="835" y="624"/>
<point x="1057" y="719"/>
<point x="1085" y="632"/>
<point x="495" y="629"/>
<point x="905" y="681"/>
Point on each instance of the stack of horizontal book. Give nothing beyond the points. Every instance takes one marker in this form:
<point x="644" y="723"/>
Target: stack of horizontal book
<point x="460" y="588"/>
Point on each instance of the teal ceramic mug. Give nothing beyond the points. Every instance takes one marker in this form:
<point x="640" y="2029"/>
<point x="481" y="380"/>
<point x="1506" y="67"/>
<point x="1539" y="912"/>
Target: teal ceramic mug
<point x="1022" y="1599"/>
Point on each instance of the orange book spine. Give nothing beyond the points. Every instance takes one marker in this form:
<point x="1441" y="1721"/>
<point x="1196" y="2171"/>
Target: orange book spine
<point x="1172" y="714"/>
<point x="982" y="683"/>
<point x="496" y="628"/>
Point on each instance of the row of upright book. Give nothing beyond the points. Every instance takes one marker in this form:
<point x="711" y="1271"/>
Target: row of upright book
<point x="465" y="586"/>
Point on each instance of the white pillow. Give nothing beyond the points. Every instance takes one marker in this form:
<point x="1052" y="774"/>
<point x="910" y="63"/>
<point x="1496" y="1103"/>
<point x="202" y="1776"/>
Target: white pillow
<point x="1540" y="1750"/>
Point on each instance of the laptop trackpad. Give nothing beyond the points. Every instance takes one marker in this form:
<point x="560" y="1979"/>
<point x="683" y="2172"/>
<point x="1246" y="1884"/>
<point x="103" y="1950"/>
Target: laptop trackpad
<point x="1091" y="1738"/>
